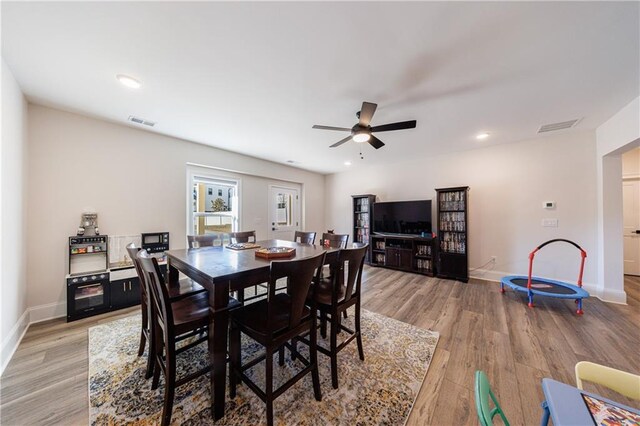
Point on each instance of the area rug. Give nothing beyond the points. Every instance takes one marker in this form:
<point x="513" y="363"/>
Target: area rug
<point x="380" y="390"/>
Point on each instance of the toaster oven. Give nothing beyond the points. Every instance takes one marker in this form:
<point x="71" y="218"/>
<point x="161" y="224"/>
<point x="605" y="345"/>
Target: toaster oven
<point x="155" y="242"/>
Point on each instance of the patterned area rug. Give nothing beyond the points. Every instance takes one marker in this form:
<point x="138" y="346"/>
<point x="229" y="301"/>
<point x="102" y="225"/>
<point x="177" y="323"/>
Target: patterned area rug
<point x="380" y="390"/>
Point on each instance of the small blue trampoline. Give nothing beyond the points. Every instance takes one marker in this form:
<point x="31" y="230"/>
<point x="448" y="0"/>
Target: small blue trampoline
<point x="546" y="287"/>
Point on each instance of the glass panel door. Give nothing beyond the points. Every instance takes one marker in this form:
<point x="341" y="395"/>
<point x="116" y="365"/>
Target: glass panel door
<point x="284" y="216"/>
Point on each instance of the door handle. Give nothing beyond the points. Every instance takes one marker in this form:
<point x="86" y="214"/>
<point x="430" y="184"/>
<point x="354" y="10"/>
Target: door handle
<point x="637" y="231"/>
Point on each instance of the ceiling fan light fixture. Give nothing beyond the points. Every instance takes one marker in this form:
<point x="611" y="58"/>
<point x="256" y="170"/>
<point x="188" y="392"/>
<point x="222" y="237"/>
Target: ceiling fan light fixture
<point x="361" y="137"/>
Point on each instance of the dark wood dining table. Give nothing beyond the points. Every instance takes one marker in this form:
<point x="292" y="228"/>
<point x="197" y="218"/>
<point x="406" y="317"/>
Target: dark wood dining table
<point x="221" y="270"/>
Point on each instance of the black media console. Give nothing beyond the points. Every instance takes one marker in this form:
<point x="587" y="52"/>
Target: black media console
<point x="404" y="252"/>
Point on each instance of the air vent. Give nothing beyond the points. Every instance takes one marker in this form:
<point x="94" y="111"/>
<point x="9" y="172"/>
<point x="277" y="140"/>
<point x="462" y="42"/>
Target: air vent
<point x="557" y="126"/>
<point x="139" y="120"/>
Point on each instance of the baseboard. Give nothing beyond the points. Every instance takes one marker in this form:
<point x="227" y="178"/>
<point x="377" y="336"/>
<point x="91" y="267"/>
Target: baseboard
<point x="11" y="342"/>
<point x="46" y="312"/>
<point x="614" y="296"/>
<point x="488" y="274"/>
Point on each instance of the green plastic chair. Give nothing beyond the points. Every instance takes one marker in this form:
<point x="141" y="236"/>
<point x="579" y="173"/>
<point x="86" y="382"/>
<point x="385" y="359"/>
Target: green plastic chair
<point x="483" y="393"/>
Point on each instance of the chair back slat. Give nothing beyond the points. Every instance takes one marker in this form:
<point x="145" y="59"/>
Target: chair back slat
<point x="132" y="251"/>
<point x="304" y="237"/>
<point x="353" y="261"/>
<point x="243" y="237"/>
<point x="627" y="384"/>
<point x="334" y="240"/>
<point x="160" y="293"/>
<point x="204" y="240"/>
<point x="300" y="274"/>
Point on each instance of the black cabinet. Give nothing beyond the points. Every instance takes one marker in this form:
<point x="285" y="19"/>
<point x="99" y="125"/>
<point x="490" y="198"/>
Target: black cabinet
<point x="453" y="212"/>
<point x="125" y="292"/>
<point x="398" y="254"/>
<point x="411" y="254"/>
<point x="362" y="205"/>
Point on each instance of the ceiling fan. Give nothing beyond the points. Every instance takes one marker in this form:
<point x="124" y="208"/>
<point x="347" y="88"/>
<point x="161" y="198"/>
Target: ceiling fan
<point x="362" y="131"/>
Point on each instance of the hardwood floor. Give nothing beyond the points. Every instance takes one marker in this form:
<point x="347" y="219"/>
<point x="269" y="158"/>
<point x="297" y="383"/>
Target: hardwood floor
<point x="46" y="381"/>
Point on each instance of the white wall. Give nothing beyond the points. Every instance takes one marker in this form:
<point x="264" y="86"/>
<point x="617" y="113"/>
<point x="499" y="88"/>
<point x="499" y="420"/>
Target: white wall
<point x="631" y="164"/>
<point x="617" y="135"/>
<point x="136" y="181"/>
<point x="13" y="178"/>
<point x="508" y="186"/>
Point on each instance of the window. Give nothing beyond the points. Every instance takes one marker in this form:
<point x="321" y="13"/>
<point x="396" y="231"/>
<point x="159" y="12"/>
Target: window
<point x="214" y="205"/>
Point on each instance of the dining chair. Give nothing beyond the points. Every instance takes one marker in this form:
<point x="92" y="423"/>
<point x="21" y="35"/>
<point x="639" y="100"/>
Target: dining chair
<point x="273" y="322"/>
<point x="331" y="240"/>
<point x="624" y="383"/>
<point x="246" y="237"/>
<point x="243" y="237"/>
<point x="170" y="320"/>
<point x="304" y="237"/>
<point x="484" y="397"/>
<point x="206" y="240"/>
<point x="184" y="289"/>
<point x="334" y="297"/>
<point x="334" y="240"/>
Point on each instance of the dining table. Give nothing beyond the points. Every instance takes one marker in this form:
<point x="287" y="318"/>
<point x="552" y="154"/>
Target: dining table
<point x="221" y="270"/>
<point x="567" y="406"/>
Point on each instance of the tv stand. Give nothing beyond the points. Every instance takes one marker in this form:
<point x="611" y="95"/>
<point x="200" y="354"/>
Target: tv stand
<point x="404" y="252"/>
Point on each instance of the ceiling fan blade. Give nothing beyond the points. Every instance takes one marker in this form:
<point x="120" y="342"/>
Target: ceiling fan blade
<point x="347" y="139"/>
<point x="375" y="142"/>
<point x="366" y="113"/>
<point x="395" y="126"/>
<point x="342" y="129"/>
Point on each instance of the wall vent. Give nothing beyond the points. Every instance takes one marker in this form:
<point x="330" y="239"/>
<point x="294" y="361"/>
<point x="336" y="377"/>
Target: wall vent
<point x="139" y="120"/>
<point x="557" y="126"/>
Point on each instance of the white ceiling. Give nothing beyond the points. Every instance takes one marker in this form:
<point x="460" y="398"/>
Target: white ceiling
<point x="254" y="77"/>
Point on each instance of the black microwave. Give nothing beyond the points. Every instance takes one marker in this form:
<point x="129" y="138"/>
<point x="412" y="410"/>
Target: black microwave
<point x="155" y="242"/>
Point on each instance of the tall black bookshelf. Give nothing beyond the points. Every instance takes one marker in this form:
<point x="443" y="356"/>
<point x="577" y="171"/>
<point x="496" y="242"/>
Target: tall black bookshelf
<point x="453" y="212"/>
<point x="362" y="205"/>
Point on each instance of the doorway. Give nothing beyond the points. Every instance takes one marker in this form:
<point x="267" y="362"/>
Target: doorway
<point x="284" y="212"/>
<point x="631" y="211"/>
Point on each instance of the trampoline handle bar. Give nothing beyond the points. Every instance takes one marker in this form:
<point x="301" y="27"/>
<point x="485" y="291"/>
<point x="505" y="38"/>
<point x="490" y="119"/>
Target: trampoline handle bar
<point x="558" y="240"/>
<point x="583" y="255"/>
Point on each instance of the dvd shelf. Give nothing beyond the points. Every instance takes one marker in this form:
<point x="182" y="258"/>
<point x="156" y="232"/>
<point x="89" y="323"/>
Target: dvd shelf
<point x="406" y="253"/>
<point x="361" y="220"/>
<point x="452" y="222"/>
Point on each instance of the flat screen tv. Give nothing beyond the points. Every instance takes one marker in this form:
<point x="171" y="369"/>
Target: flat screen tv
<point x="402" y="217"/>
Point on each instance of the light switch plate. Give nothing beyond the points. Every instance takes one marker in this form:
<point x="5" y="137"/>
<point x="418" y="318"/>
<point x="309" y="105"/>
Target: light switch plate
<point x="550" y="223"/>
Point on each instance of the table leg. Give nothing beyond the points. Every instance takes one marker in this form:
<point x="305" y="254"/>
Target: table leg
<point x="545" y="414"/>
<point x="173" y="274"/>
<point x="218" y="336"/>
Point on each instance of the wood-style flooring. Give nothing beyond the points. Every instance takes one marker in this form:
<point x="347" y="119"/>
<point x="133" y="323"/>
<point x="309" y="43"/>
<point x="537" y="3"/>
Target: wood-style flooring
<point x="46" y="381"/>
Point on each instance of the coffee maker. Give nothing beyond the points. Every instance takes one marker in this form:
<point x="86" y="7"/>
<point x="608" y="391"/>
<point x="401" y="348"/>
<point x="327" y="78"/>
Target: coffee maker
<point x="89" y="224"/>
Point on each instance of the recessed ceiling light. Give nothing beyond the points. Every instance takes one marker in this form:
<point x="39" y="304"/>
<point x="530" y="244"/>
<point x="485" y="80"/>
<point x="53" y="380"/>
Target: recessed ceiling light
<point x="347" y="163"/>
<point x="482" y="136"/>
<point x="128" y="81"/>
